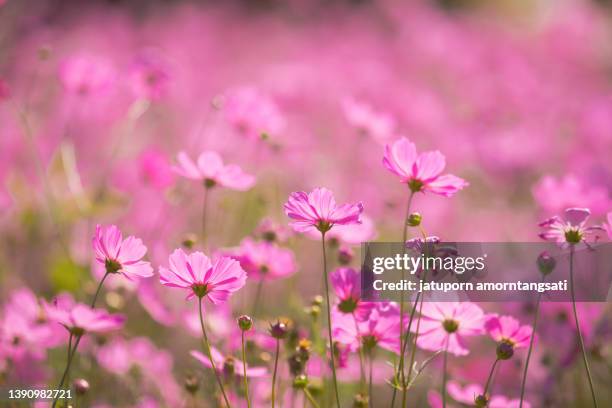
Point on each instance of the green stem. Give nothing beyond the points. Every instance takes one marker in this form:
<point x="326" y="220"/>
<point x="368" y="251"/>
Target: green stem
<point x="531" y="341"/>
<point x="71" y="353"/>
<point x="370" y="388"/>
<point x="486" y="388"/>
<point x="204" y="212"/>
<point x="445" y="372"/>
<point x="275" y="371"/>
<point x="209" y="352"/>
<point x="580" y="339"/>
<point x="400" y="368"/>
<point x="329" y="323"/>
<point x="257" y="299"/>
<point x="246" y="380"/>
<point x="311" y="398"/>
<point x="362" y="376"/>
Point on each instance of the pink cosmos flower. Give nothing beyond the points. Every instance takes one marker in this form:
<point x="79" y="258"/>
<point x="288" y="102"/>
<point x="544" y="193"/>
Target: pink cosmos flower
<point x="210" y="170"/>
<point x="571" y="229"/>
<point x="253" y="113"/>
<point x="346" y="283"/>
<point x="446" y="324"/>
<point x="120" y="255"/>
<point x="467" y="395"/>
<point x="422" y="172"/>
<point x="155" y="169"/>
<point x="86" y="74"/>
<point x="318" y="210"/>
<point x="195" y="272"/>
<point x="382" y="329"/>
<point x="79" y="318"/>
<point x="508" y="330"/>
<point x="149" y="78"/>
<point x="270" y="230"/>
<point x="228" y="365"/>
<point x="265" y="260"/>
<point x="380" y="126"/>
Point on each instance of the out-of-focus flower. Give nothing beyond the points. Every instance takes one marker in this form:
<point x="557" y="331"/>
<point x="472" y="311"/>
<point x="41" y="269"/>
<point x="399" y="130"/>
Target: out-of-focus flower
<point x="119" y="255"/>
<point x="270" y="230"/>
<point x="253" y="113"/>
<point x="264" y="260"/>
<point x="446" y="324"/>
<point x="422" y="172"/>
<point x="4" y="90"/>
<point x="228" y="365"/>
<point x="79" y="318"/>
<point x="86" y="74"/>
<point x="155" y="169"/>
<point x="381" y="328"/>
<point x="346" y="283"/>
<point x="508" y="330"/>
<point x="149" y="78"/>
<point x="202" y="278"/>
<point x="554" y="195"/>
<point x="377" y="125"/>
<point x="608" y="225"/>
<point x="469" y="392"/>
<point x="571" y="229"/>
<point x="210" y="170"/>
<point x="318" y="210"/>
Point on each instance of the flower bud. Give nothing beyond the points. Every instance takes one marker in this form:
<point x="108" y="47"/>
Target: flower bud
<point x="504" y="351"/>
<point x="300" y="382"/>
<point x="317" y="300"/>
<point x="81" y="386"/>
<point x="361" y="401"/>
<point x="546" y="263"/>
<point x="189" y="240"/>
<point x="278" y="330"/>
<point x="414" y="219"/>
<point x="345" y="255"/>
<point x="245" y="323"/>
<point x="303" y="349"/>
<point x="481" y="401"/>
<point x="191" y="383"/>
<point x="314" y="311"/>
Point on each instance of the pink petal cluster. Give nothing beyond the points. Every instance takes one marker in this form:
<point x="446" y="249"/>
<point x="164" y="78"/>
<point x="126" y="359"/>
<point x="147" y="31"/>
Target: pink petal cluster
<point x="377" y="125"/>
<point x="347" y="285"/>
<point x="253" y="113"/>
<point x="210" y="170"/>
<point x="264" y="260"/>
<point x="318" y="210"/>
<point x="200" y="277"/>
<point x="120" y="255"/>
<point x="352" y="234"/>
<point x="79" y="318"/>
<point x="228" y="365"/>
<point x="422" y="172"/>
<point x="469" y="392"/>
<point x="571" y="229"/>
<point x="86" y="74"/>
<point x="447" y="324"/>
<point x="509" y="330"/>
<point x="381" y="328"/>
<point x="556" y="194"/>
<point x="149" y="78"/>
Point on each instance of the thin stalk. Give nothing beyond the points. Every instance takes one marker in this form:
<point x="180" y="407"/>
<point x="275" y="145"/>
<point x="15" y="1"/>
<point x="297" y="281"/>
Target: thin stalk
<point x="257" y="299"/>
<point x="329" y="328"/>
<point x="275" y="371"/>
<point x="580" y="339"/>
<point x="311" y="398"/>
<point x="207" y="347"/>
<point x="246" y="381"/>
<point x="204" y="212"/>
<point x="486" y="388"/>
<point x="370" y="388"/>
<point x="362" y="376"/>
<point x="77" y="340"/>
<point x="531" y="341"/>
<point x="445" y="372"/>
<point x="400" y="368"/>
